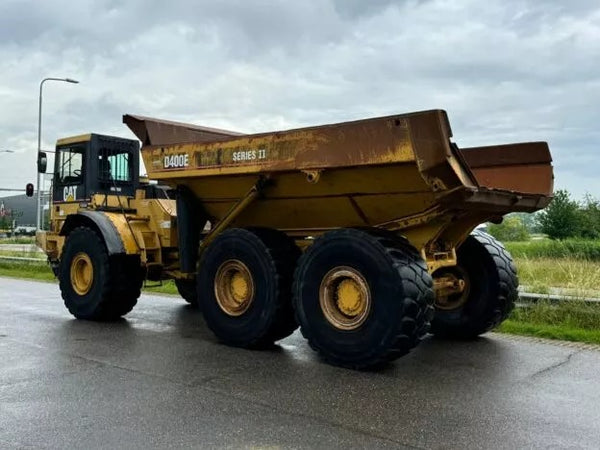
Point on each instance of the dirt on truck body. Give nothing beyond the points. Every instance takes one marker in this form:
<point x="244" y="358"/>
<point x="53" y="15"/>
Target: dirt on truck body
<point x="361" y="233"/>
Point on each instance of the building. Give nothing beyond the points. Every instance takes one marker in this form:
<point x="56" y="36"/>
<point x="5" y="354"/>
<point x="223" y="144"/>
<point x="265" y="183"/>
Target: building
<point x="21" y="207"/>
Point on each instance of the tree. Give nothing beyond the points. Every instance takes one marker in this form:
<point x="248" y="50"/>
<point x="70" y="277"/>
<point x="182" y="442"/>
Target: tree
<point x="562" y="218"/>
<point x="5" y="223"/>
<point x="530" y="220"/>
<point x="7" y="219"/>
<point x="512" y="228"/>
<point x="590" y="218"/>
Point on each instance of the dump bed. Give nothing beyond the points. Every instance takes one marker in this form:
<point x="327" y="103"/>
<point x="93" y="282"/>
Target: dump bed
<point x="400" y="172"/>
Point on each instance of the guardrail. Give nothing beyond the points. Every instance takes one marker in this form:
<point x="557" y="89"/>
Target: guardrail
<point x="526" y="298"/>
<point x="21" y="258"/>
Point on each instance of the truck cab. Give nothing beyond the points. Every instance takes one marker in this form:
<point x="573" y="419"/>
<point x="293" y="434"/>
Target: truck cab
<point x="94" y="164"/>
<point x="97" y="190"/>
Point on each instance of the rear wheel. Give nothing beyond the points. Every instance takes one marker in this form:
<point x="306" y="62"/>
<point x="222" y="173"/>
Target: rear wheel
<point x="489" y="294"/>
<point x="187" y="290"/>
<point x="362" y="297"/>
<point x="244" y="285"/>
<point x="93" y="285"/>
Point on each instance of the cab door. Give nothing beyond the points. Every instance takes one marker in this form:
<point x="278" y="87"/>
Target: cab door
<point x="70" y="173"/>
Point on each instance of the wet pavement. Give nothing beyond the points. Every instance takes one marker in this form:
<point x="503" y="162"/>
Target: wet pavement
<point x="159" y="379"/>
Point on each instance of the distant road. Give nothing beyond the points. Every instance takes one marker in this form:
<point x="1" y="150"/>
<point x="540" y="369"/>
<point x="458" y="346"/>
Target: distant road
<point x="20" y="247"/>
<point x="159" y="379"/>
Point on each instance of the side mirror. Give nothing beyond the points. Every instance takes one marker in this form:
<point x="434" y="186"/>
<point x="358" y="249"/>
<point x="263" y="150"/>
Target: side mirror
<point x="29" y="190"/>
<point x="42" y="162"/>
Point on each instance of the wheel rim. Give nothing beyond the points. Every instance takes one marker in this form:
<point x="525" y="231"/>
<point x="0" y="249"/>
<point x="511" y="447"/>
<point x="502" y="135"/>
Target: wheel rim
<point x="82" y="273"/>
<point x="234" y="287"/>
<point x="345" y="298"/>
<point x="454" y="301"/>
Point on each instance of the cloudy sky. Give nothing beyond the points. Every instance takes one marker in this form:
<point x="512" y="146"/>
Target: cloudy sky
<point x="505" y="70"/>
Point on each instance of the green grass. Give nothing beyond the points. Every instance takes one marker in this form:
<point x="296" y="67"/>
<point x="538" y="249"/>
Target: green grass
<point x="18" y="240"/>
<point x="577" y="270"/>
<point x="580" y="275"/>
<point x="33" y="254"/>
<point x="560" y="332"/>
<point x="572" y="314"/>
<point x="33" y="271"/>
<point x="567" y="320"/>
<point x="168" y="287"/>
<point x="546" y="248"/>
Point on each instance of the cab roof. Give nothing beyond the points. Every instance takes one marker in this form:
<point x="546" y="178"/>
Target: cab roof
<point x="81" y="138"/>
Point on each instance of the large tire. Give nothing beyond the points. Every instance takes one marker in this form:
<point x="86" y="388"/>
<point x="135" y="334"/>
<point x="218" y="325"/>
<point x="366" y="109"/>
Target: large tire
<point x="127" y="278"/>
<point x="114" y="284"/>
<point x="265" y="260"/>
<point x="379" y="266"/>
<point x="188" y="291"/>
<point x="490" y="294"/>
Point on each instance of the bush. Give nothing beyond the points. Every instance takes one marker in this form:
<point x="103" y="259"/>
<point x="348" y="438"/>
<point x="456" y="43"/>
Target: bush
<point x="562" y="217"/>
<point x="512" y="228"/>
<point x="590" y="218"/>
<point x="570" y="248"/>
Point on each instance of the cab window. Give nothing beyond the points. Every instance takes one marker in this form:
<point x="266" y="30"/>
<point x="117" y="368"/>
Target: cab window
<point x="70" y="165"/>
<point x="113" y="165"/>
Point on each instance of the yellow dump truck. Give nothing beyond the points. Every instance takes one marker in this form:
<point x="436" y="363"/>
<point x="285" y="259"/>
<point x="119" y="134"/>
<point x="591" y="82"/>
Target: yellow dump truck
<point x="361" y="233"/>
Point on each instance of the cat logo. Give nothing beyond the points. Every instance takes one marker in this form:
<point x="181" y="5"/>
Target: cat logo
<point x="69" y="193"/>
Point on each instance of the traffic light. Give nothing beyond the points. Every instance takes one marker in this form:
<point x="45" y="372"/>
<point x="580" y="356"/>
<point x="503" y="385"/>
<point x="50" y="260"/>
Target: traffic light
<point x="42" y="162"/>
<point x="29" y="190"/>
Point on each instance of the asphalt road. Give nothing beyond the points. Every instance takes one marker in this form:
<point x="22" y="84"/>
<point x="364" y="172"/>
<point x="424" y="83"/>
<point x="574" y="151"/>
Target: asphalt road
<point x="159" y="379"/>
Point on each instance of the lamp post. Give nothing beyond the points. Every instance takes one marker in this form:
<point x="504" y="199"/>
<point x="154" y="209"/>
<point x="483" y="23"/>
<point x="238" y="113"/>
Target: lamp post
<point x="39" y="196"/>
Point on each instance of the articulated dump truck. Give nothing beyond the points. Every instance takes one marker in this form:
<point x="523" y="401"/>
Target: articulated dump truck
<point x="360" y="233"/>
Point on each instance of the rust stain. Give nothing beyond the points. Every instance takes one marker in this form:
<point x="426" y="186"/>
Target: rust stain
<point x="399" y="152"/>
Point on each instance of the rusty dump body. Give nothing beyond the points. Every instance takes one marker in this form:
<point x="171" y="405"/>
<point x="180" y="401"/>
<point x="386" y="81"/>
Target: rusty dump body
<point x="400" y="172"/>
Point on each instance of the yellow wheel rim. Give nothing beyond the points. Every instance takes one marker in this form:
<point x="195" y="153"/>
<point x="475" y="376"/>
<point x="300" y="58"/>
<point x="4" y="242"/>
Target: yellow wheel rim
<point x="234" y="287"/>
<point x="82" y="273"/>
<point x="345" y="298"/>
<point x="458" y="300"/>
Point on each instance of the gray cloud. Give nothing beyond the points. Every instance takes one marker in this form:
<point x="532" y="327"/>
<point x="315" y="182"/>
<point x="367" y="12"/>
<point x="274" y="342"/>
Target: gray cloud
<point x="505" y="70"/>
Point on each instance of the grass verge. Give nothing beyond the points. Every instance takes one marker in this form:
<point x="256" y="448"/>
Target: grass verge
<point x="21" y="254"/>
<point x="559" y="332"/>
<point x="568" y="320"/>
<point x="33" y="271"/>
<point x="18" y="240"/>
<point x="546" y="248"/>
<point x="580" y="275"/>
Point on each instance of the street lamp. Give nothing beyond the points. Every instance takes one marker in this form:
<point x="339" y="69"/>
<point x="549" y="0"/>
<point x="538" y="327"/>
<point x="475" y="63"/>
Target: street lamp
<point x="39" y="197"/>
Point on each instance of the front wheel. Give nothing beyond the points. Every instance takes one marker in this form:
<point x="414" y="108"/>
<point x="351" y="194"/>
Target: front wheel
<point x="489" y="294"/>
<point x="93" y="285"/>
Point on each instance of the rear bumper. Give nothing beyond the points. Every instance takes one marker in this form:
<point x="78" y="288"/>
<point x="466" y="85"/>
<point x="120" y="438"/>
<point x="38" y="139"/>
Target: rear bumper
<point x="496" y="201"/>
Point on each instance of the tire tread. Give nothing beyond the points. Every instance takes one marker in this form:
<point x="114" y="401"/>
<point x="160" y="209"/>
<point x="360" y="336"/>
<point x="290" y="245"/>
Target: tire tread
<point x="497" y="308"/>
<point x="418" y="299"/>
<point x="119" y="290"/>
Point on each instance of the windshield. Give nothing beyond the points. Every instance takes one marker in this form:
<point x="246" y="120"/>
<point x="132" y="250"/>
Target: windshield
<point x="70" y="165"/>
